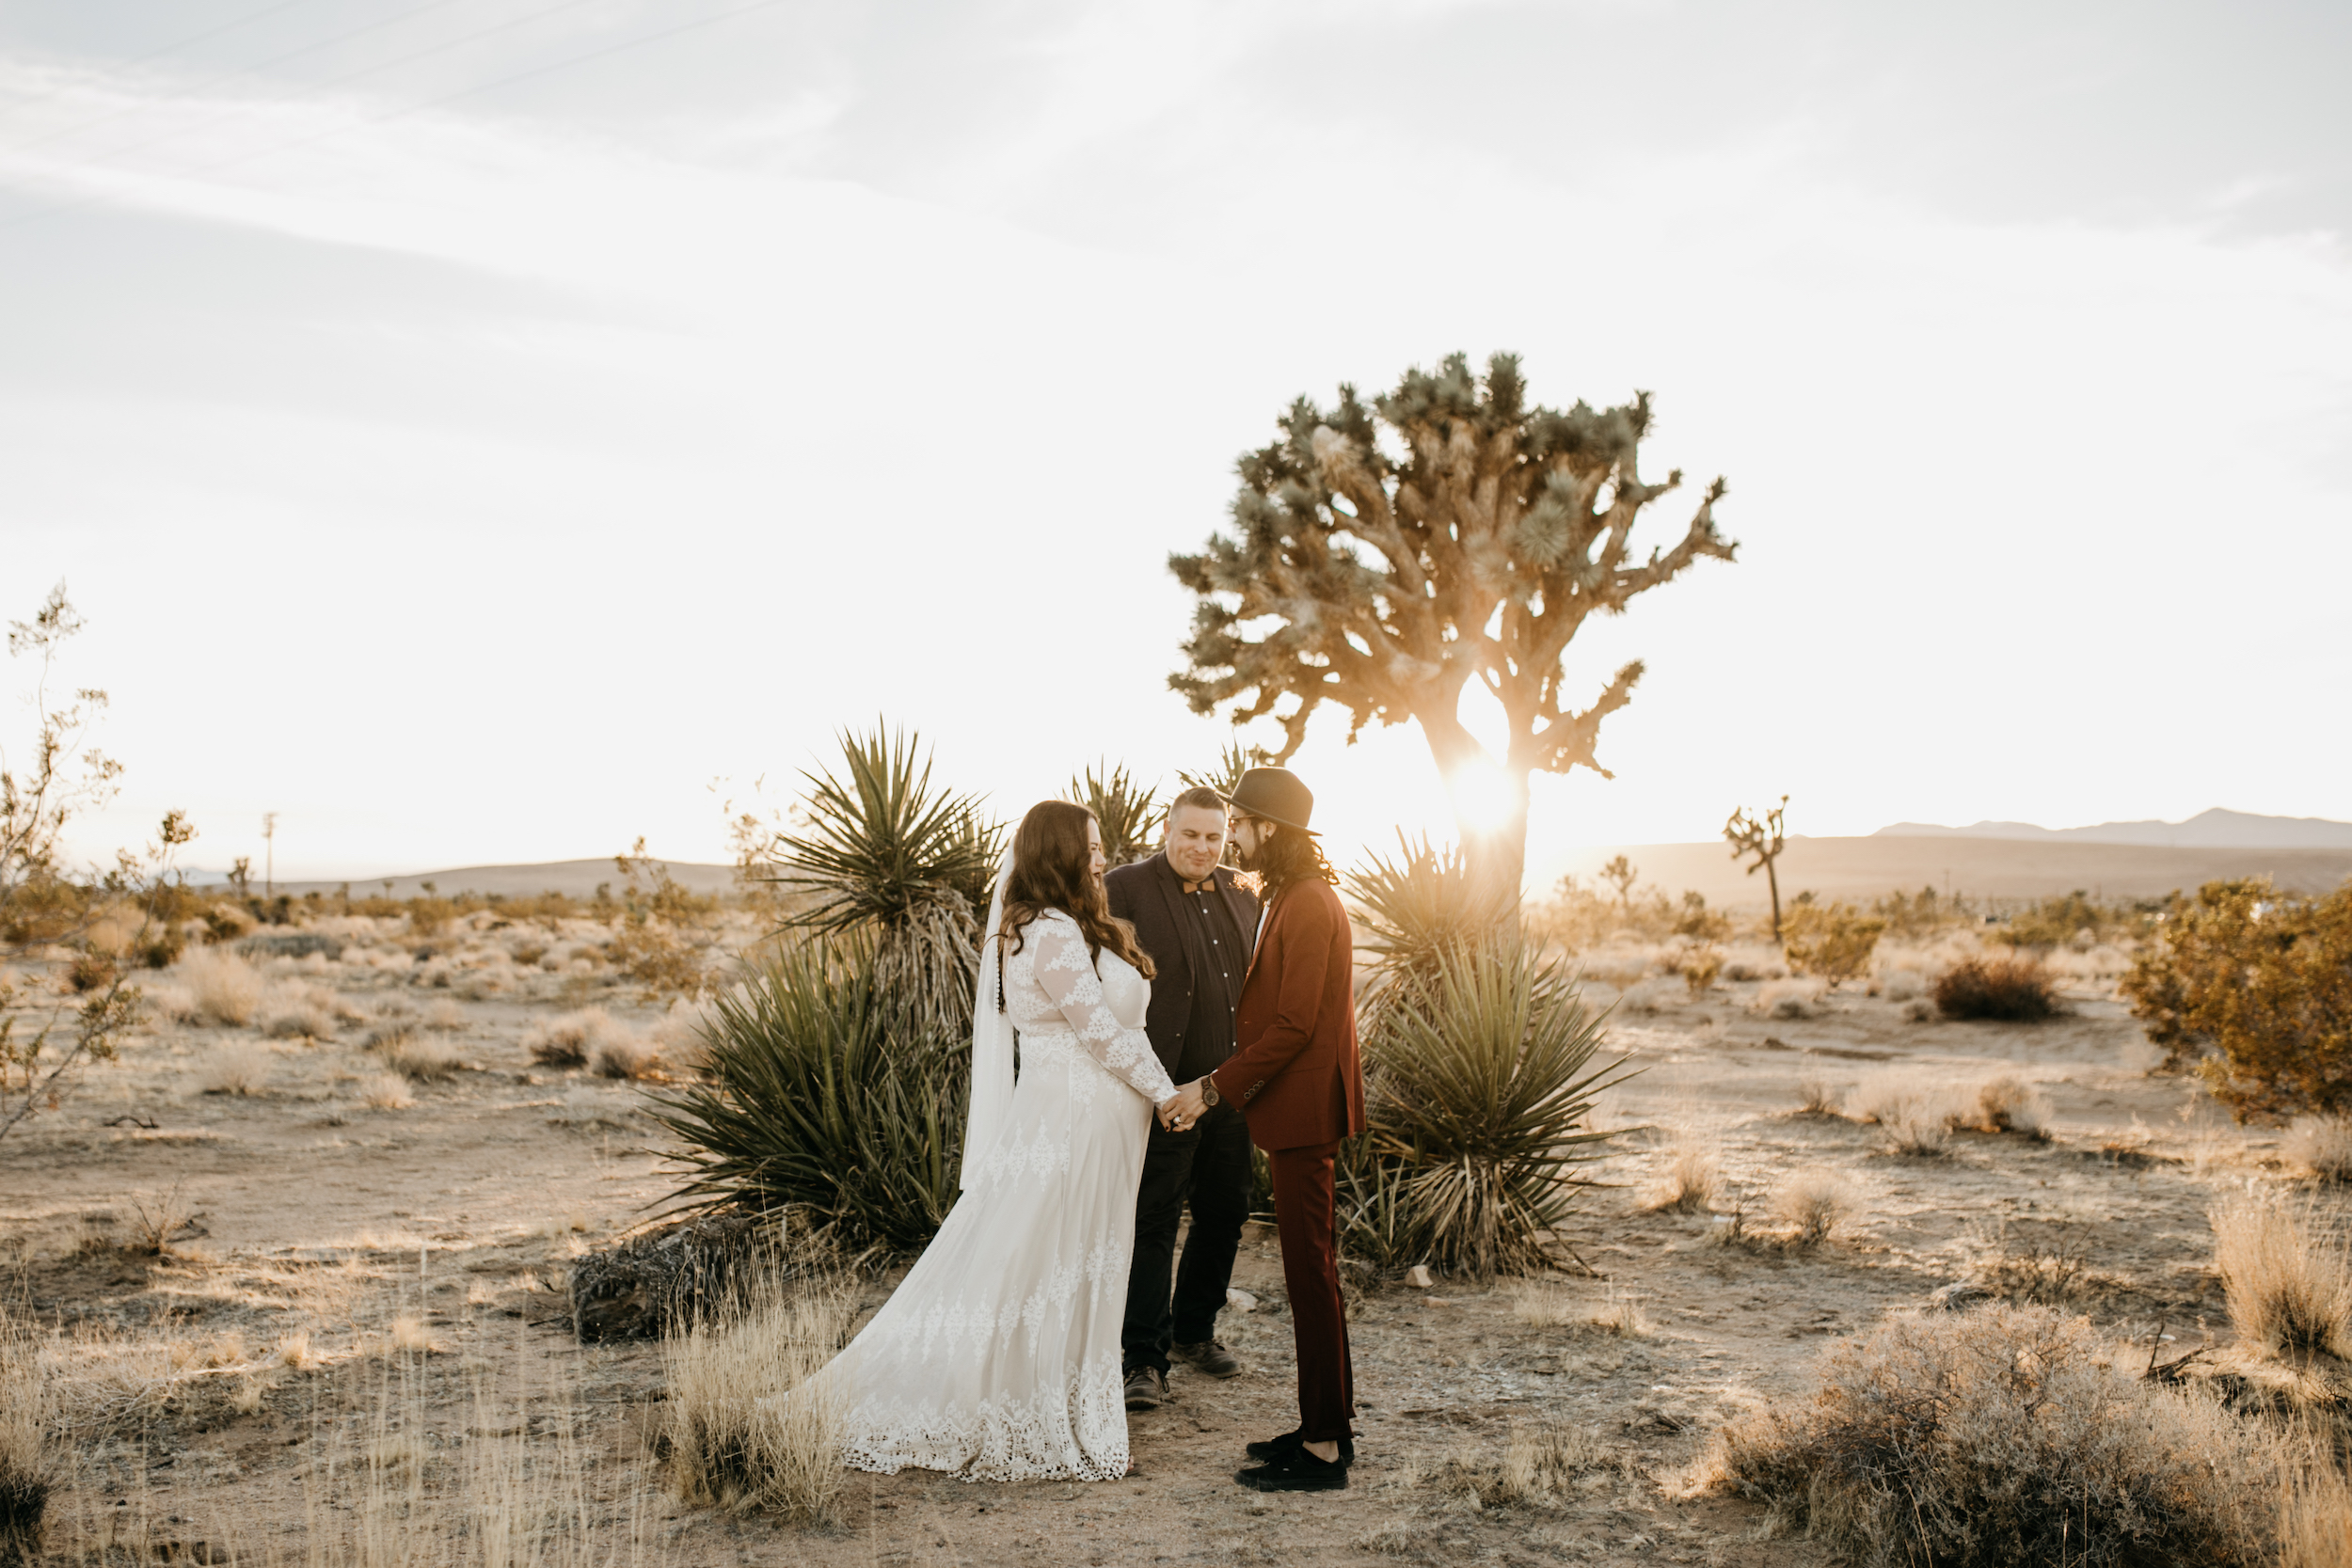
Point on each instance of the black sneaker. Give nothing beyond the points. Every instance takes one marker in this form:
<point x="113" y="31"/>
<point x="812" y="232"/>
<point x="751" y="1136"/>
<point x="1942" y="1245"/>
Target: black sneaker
<point x="1274" y="1448"/>
<point x="1295" y="1471"/>
<point x="1210" y="1357"/>
<point x="1147" y="1388"/>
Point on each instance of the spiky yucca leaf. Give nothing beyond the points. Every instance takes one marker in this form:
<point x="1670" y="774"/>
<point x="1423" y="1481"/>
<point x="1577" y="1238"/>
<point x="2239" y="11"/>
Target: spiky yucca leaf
<point x="814" y="1101"/>
<point x="887" y="854"/>
<point x="1126" y="814"/>
<point x="1481" y="1085"/>
<point x="1421" y="908"/>
<point x="1230" y="765"/>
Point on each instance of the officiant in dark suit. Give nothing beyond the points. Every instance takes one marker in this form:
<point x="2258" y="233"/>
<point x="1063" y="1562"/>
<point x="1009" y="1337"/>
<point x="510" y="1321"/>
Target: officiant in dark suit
<point x="1197" y="927"/>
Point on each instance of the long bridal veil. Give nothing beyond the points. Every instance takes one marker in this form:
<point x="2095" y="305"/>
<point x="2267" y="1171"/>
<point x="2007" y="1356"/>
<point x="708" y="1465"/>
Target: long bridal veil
<point x="992" y="1040"/>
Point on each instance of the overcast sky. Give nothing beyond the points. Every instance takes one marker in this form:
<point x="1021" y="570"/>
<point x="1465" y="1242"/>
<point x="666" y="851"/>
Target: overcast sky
<point x="472" y="428"/>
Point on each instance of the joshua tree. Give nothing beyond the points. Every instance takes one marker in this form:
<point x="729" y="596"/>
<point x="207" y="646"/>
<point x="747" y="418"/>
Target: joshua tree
<point x="1471" y="545"/>
<point x="1622" y="874"/>
<point x="1761" y="837"/>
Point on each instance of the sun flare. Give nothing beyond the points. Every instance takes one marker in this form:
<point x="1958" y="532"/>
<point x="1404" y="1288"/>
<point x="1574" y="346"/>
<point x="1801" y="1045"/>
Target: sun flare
<point x="1482" y="797"/>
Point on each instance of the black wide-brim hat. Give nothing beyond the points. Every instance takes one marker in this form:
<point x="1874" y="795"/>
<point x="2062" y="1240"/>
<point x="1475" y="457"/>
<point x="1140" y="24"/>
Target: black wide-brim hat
<point x="1275" y="794"/>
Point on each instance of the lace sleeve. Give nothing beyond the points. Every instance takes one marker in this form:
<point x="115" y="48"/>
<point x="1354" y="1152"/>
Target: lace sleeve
<point x="1065" y="972"/>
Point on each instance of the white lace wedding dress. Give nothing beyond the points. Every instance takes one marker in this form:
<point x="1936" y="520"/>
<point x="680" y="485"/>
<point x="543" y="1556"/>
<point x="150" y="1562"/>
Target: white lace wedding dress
<point x="998" y="1357"/>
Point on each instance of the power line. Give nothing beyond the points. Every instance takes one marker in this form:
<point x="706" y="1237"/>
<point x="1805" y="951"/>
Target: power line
<point x="550" y="68"/>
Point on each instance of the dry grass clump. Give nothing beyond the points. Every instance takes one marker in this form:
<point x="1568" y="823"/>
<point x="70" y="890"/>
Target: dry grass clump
<point x="2289" y="1283"/>
<point x="235" y="1068"/>
<point x="1817" y="1097"/>
<point x="2003" y="1436"/>
<point x="2315" y="1518"/>
<point x="1691" y="1177"/>
<point x="386" y="1091"/>
<point x="2014" y="990"/>
<point x="2004" y="1104"/>
<point x="1544" y="1458"/>
<point x="25" y="1477"/>
<point x="1901" y="985"/>
<point x="746" y="1424"/>
<point x="1545" y="1302"/>
<point x="1815" y="1204"/>
<point x="176" y="1002"/>
<point x="2322" y="1145"/>
<point x="2043" y="1262"/>
<point x="1792" y="998"/>
<point x="410" y="1055"/>
<point x="624" y="1053"/>
<point x="225" y="986"/>
<point x="569" y="1039"/>
<point x="682" y="1036"/>
<point x="445" y="1017"/>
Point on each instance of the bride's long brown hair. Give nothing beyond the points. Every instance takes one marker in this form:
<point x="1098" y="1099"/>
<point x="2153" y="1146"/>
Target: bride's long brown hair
<point x="1051" y="870"/>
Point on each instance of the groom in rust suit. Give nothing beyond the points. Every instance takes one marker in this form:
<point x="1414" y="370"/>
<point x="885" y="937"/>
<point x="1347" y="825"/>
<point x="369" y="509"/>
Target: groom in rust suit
<point x="1295" y="1076"/>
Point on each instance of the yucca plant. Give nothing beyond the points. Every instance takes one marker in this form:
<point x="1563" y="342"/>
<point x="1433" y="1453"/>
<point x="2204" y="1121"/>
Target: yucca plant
<point x="1230" y="765"/>
<point x="1126" y="814"/>
<point x="1420" y="908"/>
<point x="887" y="855"/>
<point x="817" y="1096"/>
<point x="1480" y="1085"/>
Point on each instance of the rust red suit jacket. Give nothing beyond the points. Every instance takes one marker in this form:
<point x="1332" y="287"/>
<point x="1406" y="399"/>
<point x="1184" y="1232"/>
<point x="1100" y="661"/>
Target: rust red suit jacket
<point x="1294" y="1071"/>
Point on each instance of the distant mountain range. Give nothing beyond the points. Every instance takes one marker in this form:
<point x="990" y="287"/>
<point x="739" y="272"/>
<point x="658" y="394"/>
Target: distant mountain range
<point x="2207" y="830"/>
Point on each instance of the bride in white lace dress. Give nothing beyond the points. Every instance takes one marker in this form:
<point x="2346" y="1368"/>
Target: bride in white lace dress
<point x="998" y="1357"/>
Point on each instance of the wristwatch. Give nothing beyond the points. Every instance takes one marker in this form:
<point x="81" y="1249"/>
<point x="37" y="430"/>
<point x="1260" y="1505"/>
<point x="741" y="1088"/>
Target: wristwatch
<point x="1208" y="1090"/>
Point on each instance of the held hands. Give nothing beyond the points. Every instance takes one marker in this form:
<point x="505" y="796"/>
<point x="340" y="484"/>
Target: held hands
<point x="1188" y="1106"/>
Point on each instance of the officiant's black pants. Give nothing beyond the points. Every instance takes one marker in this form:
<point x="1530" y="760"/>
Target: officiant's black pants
<point x="1208" y="1167"/>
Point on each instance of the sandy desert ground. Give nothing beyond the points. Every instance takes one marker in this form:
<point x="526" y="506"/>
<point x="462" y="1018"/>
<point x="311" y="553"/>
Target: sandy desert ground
<point x="365" y="1303"/>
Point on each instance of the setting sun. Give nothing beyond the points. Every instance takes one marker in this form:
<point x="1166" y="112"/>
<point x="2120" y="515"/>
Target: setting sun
<point x="1482" y="797"/>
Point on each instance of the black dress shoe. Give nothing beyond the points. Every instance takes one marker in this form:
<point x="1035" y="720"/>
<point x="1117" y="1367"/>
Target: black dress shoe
<point x="1295" y="1471"/>
<point x="1209" y="1357"/>
<point x="1274" y="1448"/>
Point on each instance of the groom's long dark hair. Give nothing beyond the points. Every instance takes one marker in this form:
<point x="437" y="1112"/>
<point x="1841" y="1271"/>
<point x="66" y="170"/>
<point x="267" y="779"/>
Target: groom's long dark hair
<point x="1287" y="856"/>
<point x="1050" y="871"/>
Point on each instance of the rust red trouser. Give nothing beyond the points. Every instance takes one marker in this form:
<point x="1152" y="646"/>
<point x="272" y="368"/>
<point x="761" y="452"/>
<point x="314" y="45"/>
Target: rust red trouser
<point x="1311" y="1273"/>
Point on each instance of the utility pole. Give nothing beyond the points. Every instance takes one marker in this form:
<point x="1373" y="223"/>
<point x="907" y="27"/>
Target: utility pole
<point x="269" y="854"/>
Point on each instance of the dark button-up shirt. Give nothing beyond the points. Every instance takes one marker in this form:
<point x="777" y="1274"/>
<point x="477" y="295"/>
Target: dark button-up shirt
<point x="1220" y="957"/>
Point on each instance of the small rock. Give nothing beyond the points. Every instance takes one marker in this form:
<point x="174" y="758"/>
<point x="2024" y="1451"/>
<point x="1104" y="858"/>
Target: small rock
<point x="1419" y="1278"/>
<point x="1240" y="1300"/>
<point x="1958" y="1297"/>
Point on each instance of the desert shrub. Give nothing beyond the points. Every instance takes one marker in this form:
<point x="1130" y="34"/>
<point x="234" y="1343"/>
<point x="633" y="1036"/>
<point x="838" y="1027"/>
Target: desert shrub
<point x="2003" y="1103"/>
<point x="1901" y="985"/>
<point x="1816" y="1096"/>
<point x="1699" y="967"/>
<point x="2261" y="980"/>
<point x="1922" y="913"/>
<point x="746" y="1424"/>
<point x="627" y="1054"/>
<point x="812" y="1101"/>
<point x="2316" y="1517"/>
<point x="2322" y="1145"/>
<point x="1479" y="1090"/>
<point x="385" y="1091"/>
<point x="1833" y="941"/>
<point x="2076" y="920"/>
<point x="427" y="915"/>
<point x="410" y="1055"/>
<point x="1815" y="1205"/>
<point x="1689" y="1180"/>
<point x="225" y="986"/>
<point x="2288" y="1282"/>
<point x="2016" y="990"/>
<point x="89" y="972"/>
<point x="2001" y="1437"/>
<point x="298" y="1017"/>
<point x="2046" y="1262"/>
<point x="235" y="1068"/>
<point x="1920" y="1128"/>
<point x="1788" y="998"/>
<point x="569" y="1039"/>
<point x="26" y="1476"/>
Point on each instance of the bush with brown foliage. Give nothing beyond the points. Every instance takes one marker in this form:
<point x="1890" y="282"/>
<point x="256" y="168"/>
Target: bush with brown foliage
<point x="2013" y="990"/>
<point x="1833" y="941"/>
<point x="2259" y="984"/>
<point x="2002" y="1437"/>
